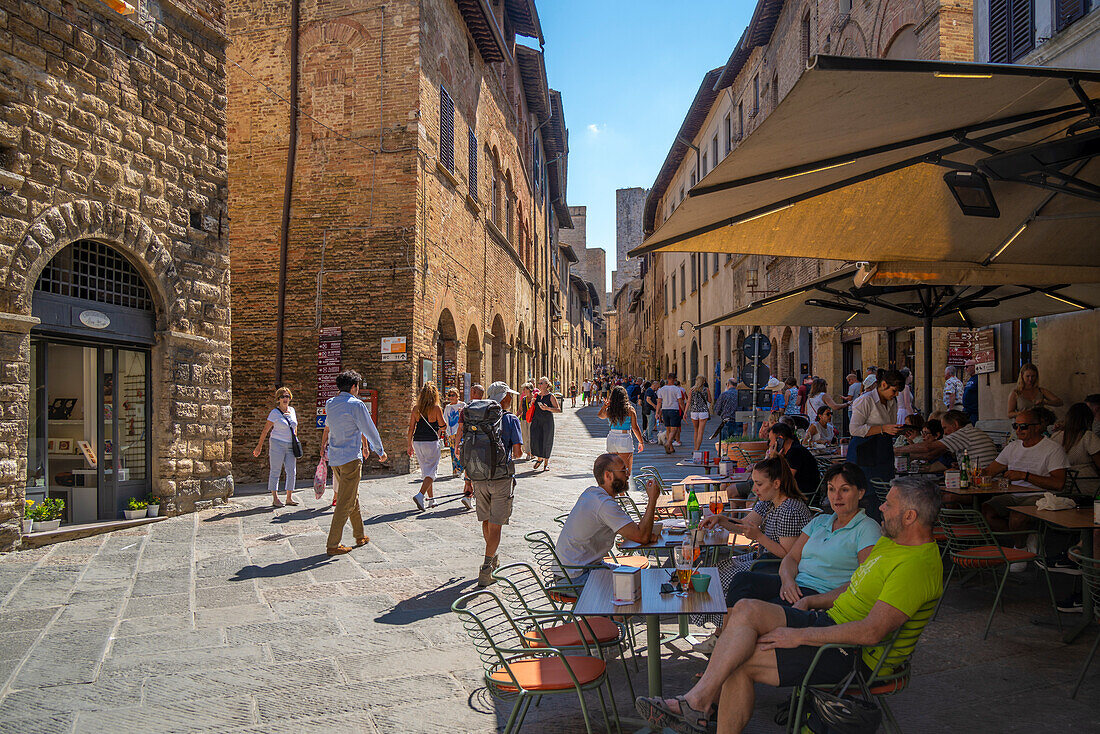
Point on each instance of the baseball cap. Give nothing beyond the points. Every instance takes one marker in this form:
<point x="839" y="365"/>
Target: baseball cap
<point x="498" y="390"/>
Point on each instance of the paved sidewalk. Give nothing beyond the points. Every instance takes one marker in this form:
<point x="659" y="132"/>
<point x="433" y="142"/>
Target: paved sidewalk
<point x="235" y="620"/>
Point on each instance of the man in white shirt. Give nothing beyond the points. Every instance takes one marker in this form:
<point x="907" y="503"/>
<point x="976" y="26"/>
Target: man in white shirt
<point x="1032" y="462"/>
<point x="952" y="390"/>
<point x="670" y="408"/>
<point x="586" y="391"/>
<point x="854" y="387"/>
<point x="589" y="531"/>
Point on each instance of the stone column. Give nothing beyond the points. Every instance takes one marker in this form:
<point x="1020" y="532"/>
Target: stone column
<point x="15" y="378"/>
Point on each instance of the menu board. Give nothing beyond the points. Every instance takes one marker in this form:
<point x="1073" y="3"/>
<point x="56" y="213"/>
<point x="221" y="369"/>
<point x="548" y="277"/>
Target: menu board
<point x="960" y="347"/>
<point x="329" y="348"/>
<point x="985" y="351"/>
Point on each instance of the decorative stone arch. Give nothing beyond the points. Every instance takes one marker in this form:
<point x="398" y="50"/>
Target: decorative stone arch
<point x="499" y="363"/>
<point x="891" y="21"/>
<point x="852" y="41"/>
<point x="786" y="365"/>
<point x="63" y="224"/>
<point x="473" y="353"/>
<point x="337" y="30"/>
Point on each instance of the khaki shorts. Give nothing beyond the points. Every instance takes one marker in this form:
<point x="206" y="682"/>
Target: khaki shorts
<point x="494" y="500"/>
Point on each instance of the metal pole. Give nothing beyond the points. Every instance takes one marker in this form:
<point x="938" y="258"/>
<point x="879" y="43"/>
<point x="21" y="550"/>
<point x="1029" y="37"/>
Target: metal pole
<point x="927" y="366"/>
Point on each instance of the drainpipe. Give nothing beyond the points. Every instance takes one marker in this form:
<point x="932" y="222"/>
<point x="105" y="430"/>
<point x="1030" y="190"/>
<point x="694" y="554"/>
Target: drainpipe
<point x="288" y="190"/>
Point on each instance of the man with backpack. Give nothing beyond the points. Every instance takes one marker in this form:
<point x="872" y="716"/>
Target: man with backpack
<point x="490" y="440"/>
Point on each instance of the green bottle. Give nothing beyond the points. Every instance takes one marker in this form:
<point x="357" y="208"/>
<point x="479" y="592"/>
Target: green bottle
<point x="694" y="514"/>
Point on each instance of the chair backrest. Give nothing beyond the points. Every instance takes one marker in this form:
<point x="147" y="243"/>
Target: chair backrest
<point x="560" y="519"/>
<point x="1090" y="575"/>
<point x="523" y="590"/>
<point x="490" y="627"/>
<point x="819" y="495"/>
<point x="546" y="556"/>
<point x="881" y="488"/>
<point x="898" y="648"/>
<point x="651" y="471"/>
<point x="999" y="438"/>
<point x="630" y="507"/>
<point x="967" y="530"/>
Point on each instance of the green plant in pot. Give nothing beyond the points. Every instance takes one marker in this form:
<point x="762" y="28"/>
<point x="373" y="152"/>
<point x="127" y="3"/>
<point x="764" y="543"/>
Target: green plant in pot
<point x="135" y="509"/>
<point x="45" y="514"/>
<point x="152" y="503"/>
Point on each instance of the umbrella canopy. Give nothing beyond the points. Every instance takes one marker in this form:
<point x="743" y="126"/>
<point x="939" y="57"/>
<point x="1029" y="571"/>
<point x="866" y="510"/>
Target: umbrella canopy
<point x="851" y="166"/>
<point x="922" y="294"/>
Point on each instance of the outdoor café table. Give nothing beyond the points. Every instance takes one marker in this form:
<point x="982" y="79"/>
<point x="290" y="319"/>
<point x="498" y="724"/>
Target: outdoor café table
<point x="978" y="494"/>
<point x="596" y="599"/>
<point x="1075" y="519"/>
<point x="708" y="468"/>
<point x="665" y="503"/>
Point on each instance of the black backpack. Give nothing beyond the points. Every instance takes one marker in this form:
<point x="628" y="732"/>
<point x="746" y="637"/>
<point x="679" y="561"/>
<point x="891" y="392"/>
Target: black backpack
<point x="482" y="451"/>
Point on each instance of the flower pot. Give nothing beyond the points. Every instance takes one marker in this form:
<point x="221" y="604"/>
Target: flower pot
<point x="43" y="526"/>
<point x="152" y="510"/>
<point x="134" y="514"/>
<point x="28" y="526"/>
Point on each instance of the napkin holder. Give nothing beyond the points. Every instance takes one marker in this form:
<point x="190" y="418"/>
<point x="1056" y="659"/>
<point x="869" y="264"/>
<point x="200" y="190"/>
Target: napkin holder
<point x="678" y="493"/>
<point x="951" y="479"/>
<point x="726" y="467"/>
<point x="626" y="585"/>
<point x="697" y="457"/>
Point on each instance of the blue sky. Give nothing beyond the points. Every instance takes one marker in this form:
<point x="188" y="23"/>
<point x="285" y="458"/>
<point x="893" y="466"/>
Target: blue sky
<point x="627" y="71"/>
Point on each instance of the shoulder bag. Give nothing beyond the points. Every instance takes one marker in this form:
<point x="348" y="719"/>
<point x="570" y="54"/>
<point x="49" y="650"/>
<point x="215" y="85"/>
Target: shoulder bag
<point x="295" y="444"/>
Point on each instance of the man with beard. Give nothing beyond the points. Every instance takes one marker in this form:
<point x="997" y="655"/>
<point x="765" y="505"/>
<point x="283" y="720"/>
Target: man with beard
<point x="767" y="643"/>
<point x="590" y="530"/>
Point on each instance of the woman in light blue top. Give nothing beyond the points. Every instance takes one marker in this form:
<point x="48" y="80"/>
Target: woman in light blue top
<point x="624" y="426"/>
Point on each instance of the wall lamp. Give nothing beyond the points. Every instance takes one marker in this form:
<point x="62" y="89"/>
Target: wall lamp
<point x="680" y="331"/>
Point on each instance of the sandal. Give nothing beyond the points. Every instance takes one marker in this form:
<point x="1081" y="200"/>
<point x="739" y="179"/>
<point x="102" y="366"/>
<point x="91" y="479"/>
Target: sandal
<point x="276" y="504"/>
<point x="537" y="462"/>
<point x="291" y="503"/>
<point x="687" y="720"/>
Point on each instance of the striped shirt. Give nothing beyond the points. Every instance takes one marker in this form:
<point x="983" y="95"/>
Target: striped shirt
<point x="974" y="441"/>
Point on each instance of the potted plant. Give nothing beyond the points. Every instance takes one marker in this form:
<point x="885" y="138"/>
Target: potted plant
<point x="46" y="514"/>
<point x="135" y="509"/>
<point x="152" y="505"/>
<point x="28" y="517"/>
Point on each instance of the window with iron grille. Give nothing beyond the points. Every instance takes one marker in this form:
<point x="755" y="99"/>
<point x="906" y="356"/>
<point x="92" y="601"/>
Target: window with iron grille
<point x="1011" y="30"/>
<point x="755" y="94"/>
<point x="727" y="130"/>
<point x="537" y="168"/>
<point x="472" y="150"/>
<point x="446" y="131"/>
<point x="95" y="272"/>
<point x="806" y="38"/>
<point x="740" y="119"/>
<point x="1068" y="12"/>
<point x="694" y="272"/>
<point x="775" y="91"/>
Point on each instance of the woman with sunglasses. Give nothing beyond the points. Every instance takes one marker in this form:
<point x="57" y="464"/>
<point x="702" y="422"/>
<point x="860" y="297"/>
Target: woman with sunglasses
<point x="821" y="430"/>
<point x="282" y="425"/>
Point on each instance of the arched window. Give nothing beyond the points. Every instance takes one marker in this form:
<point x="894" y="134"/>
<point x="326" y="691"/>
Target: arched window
<point x="94" y="271"/>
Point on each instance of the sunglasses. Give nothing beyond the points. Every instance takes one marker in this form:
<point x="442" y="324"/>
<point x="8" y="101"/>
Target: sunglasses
<point x="1022" y="426"/>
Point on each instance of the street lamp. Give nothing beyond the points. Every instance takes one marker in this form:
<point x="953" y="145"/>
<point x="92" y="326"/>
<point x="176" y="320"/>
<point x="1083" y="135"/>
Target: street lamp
<point x="681" y="332"/>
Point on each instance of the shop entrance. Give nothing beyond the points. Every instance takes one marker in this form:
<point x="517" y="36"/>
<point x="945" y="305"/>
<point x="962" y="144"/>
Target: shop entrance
<point x="89" y="413"/>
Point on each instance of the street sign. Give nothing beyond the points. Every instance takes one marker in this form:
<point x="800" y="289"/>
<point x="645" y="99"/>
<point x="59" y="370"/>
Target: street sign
<point x="755" y="376"/>
<point x="756" y="346"/>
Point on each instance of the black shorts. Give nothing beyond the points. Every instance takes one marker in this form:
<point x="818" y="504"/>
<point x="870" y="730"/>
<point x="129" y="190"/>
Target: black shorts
<point x="762" y="586"/>
<point x="671" y="418"/>
<point x="792" y="663"/>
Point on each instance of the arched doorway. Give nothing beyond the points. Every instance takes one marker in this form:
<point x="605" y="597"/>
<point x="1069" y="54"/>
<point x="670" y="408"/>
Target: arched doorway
<point x="89" y="440"/>
<point x="774" y="358"/>
<point x="788" y="354"/>
<point x="446" y="349"/>
<point x="473" y="355"/>
<point x="519" y="374"/>
<point x="694" y="372"/>
<point x="904" y="45"/>
<point x="499" y="357"/>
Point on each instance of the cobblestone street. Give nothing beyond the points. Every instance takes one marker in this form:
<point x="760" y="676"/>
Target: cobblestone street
<point x="235" y="620"/>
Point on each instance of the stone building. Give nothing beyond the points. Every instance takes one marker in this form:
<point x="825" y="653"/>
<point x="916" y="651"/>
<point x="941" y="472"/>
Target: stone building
<point x="418" y="213"/>
<point x="114" y="265"/>
<point x="629" y="214"/>
<point x="731" y="102"/>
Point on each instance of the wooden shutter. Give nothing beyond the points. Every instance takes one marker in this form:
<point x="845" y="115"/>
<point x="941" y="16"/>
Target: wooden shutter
<point x="446" y="131"/>
<point x="1022" y="20"/>
<point x="472" y="147"/>
<point x="998" y="31"/>
<point x="1066" y="12"/>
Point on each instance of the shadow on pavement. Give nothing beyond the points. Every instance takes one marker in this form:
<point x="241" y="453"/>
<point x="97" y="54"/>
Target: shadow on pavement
<point x="389" y="517"/>
<point x="283" y="568"/>
<point x="306" y="513"/>
<point x="239" y="513"/>
<point x="427" y="603"/>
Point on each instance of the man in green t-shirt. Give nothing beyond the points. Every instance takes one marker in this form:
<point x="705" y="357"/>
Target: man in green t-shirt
<point x="897" y="585"/>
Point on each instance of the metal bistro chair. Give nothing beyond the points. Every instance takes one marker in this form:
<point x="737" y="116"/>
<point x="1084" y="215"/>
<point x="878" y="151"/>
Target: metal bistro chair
<point x="890" y="674"/>
<point x="564" y="590"/>
<point x="881" y="488"/>
<point x="973" y="546"/>
<point x="525" y="595"/>
<point x="1090" y="579"/>
<point x="651" y="471"/>
<point x="514" y="669"/>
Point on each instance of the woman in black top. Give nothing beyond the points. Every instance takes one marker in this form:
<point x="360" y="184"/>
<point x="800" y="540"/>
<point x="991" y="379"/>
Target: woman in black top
<point x="542" y="424"/>
<point x="425" y="425"/>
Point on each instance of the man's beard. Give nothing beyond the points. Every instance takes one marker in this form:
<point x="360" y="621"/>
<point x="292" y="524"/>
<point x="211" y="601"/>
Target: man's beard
<point x="890" y="528"/>
<point x="618" y="485"/>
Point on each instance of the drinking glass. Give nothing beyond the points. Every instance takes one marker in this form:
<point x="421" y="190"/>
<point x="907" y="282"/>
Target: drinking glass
<point x="715" y="507"/>
<point x="682" y="557"/>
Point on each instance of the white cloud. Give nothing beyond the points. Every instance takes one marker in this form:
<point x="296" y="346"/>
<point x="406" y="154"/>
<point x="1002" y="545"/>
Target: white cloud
<point x="595" y="129"/>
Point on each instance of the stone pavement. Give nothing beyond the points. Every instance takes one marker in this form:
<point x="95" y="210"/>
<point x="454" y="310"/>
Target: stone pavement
<point x="235" y="620"/>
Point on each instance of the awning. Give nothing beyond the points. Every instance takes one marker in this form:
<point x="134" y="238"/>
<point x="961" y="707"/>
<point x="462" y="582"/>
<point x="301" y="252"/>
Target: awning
<point x="843" y="168"/>
<point x="899" y="294"/>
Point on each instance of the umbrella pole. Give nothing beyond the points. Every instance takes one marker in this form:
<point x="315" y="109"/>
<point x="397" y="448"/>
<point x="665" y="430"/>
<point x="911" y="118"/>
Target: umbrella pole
<point x="927" y="388"/>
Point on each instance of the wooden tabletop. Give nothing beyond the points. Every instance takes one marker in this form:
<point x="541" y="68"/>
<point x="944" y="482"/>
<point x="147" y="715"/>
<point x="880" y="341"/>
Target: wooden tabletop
<point x="596" y="595"/>
<point x="1075" y="519"/>
<point x="994" y="489"/>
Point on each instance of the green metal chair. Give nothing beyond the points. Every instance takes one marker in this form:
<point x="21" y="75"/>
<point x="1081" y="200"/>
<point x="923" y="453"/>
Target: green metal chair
<point x="560" y="519"/>
<point x="971" y="545"/>
<point x="820" y="493"/>
<point x="523" y="592"/>
<point x="1090" y="580"/>
<point x="890" y="674"/>
<point x="651" y="471"/>
<point x="515" y="669"/>
<point x="881" y="488"/>
<point x="564" y="585"/>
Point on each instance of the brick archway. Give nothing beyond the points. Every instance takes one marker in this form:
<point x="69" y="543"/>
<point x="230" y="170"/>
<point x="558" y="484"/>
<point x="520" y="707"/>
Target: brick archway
<point x="63" y="224"/>
<point x="892" y="19"/>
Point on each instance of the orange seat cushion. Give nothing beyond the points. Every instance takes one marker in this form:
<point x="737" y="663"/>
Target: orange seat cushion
<point x="987" y="556"/>
<point x="548" y="674"/>
<point x="568" y="635"/>
<point x="632" y="561"/>
<point x="961" y="531"/>
<point x="561" y="597"/>
<point x="893" y="686"/>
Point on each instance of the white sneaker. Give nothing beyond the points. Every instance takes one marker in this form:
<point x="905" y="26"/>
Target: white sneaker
<point x="418" y="500"/>
<point x="1018" y="567"/>
<point x="431" y="503"/>
<point x="677" y="443"/>
<point x="1033" y="542"/>
<point x="468" y="502"/>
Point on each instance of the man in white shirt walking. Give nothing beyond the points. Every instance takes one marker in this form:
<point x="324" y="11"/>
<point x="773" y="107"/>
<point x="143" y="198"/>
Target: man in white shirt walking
<point x="952" y="390"/>
<point x="670" y="408"/>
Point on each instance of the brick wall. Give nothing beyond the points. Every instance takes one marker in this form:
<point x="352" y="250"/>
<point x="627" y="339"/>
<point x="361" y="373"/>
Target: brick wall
<point x="114" y="129"/>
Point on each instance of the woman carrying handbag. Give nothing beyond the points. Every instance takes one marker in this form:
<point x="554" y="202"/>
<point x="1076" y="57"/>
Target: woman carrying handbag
<point x="284" y="448"/>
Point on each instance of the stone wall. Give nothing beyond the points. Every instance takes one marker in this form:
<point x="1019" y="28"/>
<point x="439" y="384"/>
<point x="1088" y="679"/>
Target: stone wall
<point x="113" y="129"/>
<point x="629" y="210"/>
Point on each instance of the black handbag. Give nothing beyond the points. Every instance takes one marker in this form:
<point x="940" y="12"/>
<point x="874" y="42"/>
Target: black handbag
<point x="295" y="444"/>
<point x="841" y="715"/>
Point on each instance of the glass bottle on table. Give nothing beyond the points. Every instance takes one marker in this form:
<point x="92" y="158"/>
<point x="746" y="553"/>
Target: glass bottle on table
<point x="964" y="470"/>
<point x="694" y="514"/>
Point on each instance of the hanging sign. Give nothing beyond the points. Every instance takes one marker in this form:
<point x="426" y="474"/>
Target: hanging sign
<point x="394" y="349"/>
<point x="985" y="352"/>
<point x="329" y="364"/>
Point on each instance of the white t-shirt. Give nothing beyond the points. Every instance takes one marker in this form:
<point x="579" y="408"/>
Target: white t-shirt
<point x="1040" y="459"/>
<point x="669" y="395"/>
<point x="281" y="431"/>
<point x="451" y="416"/>
<point x="589" y="531"/>
<point x="1080" y="456"/>
<point x="587" y="386"/>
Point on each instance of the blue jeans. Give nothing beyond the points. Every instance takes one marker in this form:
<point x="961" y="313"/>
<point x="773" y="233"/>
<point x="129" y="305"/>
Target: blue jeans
<point x="282" y="458"/>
